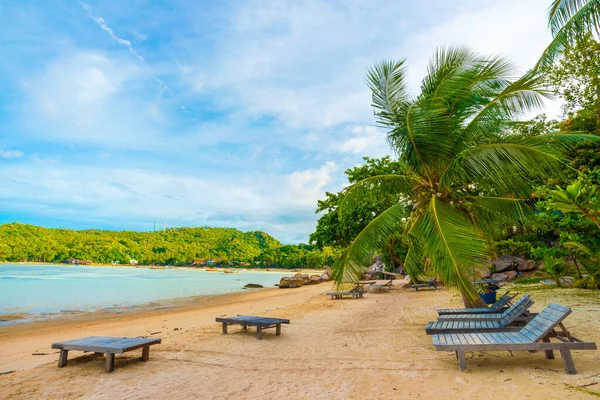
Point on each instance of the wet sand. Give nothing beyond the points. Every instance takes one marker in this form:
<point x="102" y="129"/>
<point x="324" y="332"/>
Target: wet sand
<point x="375" y="347"/>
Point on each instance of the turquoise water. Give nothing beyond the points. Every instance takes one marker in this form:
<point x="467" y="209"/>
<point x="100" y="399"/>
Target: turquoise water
<point x="43" y="291"/>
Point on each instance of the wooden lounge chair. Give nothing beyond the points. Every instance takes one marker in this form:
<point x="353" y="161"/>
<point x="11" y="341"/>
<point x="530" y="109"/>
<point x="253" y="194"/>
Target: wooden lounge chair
<point x="431" y="284"/>
<point x="532" y="337"/>
<point x="494" y="308"/>
<point x="105" y="344"/>
<point x="520" y="305"/>
<point x="260" y="323"/>
<point x="502" y="325"/>
<point x="356" y="292"/>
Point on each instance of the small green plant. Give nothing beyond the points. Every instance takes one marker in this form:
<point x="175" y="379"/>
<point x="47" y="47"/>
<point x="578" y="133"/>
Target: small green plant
<point x="554" y="268"/>
<point x="591" y="276"/>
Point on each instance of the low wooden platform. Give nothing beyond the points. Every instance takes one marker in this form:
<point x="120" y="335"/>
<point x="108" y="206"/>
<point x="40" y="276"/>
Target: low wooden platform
<point x="260" y="323"/>
<point x="105" y="345"/>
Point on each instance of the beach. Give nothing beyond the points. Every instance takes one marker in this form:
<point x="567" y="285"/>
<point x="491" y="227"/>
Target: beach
<point x="373" y="347"/>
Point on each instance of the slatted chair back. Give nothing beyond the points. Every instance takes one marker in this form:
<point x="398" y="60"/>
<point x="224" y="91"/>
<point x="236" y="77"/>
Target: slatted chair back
<point x="518" y="305"/>
<point x="545" y="321"/>
<point x="501" y="302"/>
<point x="513" y="313"/>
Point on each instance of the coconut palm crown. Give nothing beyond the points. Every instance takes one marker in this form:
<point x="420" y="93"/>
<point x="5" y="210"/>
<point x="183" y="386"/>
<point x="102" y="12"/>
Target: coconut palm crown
<point x="465" y="173"/>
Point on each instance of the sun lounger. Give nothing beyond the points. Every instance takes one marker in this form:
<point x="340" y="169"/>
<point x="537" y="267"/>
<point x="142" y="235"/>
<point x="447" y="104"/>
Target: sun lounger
<point x="532" y="337"/>
<point x="502" y="325"/>
<point x="520" y="306"/>
<point x="430" y="284"/>
<point x="260" y="323"/>
<point x="356" y="292"/>
<point x="107" y="345"/>
<point x="494" y="308"/>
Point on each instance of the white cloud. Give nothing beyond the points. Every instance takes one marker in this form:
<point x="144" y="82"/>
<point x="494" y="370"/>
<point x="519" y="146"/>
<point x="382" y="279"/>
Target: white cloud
<point x="366" y="140"/>
<point x="306" y="187"/>
<point x="100" y="21"/>
<point x="281" y="204"/>
<point x="10" y="154"/>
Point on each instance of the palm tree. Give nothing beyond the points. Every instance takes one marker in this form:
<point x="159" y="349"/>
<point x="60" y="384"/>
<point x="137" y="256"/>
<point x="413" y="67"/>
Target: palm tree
<point x="567" y="20"/>
<point x="464" y="176"/>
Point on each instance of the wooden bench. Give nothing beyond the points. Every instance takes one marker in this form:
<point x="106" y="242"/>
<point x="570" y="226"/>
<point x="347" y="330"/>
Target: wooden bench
<point x="105" y="345"/>
<point x="534" y="336"/>
<point x="498" y="306"/>
<point x="519" y="306"/>
<point x="356" y="292"/>
<point x="260" y="323"/>
<point x="472" y="326"/>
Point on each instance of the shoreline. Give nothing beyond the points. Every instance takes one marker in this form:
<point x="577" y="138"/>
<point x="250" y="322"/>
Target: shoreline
<point x="161" y="267"/>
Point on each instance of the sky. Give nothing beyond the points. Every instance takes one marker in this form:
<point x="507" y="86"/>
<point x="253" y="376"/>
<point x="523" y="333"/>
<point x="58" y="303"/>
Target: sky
<point x="117" y="113"/>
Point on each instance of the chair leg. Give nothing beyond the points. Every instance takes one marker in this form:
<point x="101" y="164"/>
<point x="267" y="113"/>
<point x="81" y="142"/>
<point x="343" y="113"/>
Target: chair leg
<point x="62" y="360"/>
<point x="278" y="330"/>
<point x="568" y="363"/>
<point x="549" y="353"/>
<point x="110" y="362"/>
<point x="259" y="332"/>
<point x="462" y="363"/>
<point x="145" y="353"/>
<point x="224" y="327"/>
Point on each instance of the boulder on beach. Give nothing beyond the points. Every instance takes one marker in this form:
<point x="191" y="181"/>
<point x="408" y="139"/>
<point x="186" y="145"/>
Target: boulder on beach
<point x="324" y="277"/>
<point x="253" y="286"/>
<point x="508" y="263"/>
<point x="505" y="276"/>
<point x="291" y="282"/>
<point x="314" y="279"/>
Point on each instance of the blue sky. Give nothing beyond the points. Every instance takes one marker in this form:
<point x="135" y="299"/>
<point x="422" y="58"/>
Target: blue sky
<point x="221" y="113"/>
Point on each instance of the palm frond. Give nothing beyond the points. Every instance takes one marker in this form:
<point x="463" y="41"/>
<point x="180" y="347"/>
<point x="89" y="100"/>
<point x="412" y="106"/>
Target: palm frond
<point x="513" y="163"/>
<point x="387" y="81"/>
<point x="491" y="213"/>
<point x="567" y="20"/>
<point x="385" y="185"/>
<point x="517" y="98"/>
<point x="454" y="245"/>
<point x="356" y="258"/>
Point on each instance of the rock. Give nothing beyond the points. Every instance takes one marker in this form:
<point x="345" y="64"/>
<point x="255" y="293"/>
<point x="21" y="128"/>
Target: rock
<point x="291" y="282"/>
<point x="324" y="277"/>
<point x="501" y="277"/>
<point x="528" y="266"/>
<point x="511" y="275"/>
<point x="314" y="280"/>
<point x="507" y="263"/>
<point x="486" y="274"/>
<point x="305" y="276"/>
<point x="253" y="286"/>
<point x="505" y="276"/>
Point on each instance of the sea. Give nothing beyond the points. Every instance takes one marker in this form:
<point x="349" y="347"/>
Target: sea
<point x="32" y="292"/>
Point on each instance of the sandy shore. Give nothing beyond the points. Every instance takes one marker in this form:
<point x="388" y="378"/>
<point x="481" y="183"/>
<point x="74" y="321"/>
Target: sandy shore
<point x="349" y="349"/>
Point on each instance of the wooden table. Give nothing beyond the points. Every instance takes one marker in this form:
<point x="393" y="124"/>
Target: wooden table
<point x="105" y="345"/>
<point x="259" y="322"/>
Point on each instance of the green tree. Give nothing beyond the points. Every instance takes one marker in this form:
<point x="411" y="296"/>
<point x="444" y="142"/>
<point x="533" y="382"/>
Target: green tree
<point x="338" y="229"/>
<point x="465" y="172"/>
<point x="568" y="20"/>
<point x="554" y="268"/>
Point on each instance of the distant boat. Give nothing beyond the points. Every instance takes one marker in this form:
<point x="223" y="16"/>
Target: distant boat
<point x="210" y="269"/>
<point x="230" y="271"/>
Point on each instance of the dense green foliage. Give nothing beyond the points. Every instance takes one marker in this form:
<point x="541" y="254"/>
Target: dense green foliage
<point x="177" y="246"/>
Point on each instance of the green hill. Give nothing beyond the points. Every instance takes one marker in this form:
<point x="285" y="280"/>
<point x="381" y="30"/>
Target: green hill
<point x="19" y="242"/>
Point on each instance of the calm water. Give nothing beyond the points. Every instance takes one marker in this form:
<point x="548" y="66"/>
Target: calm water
<point x="44" y="291"/>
